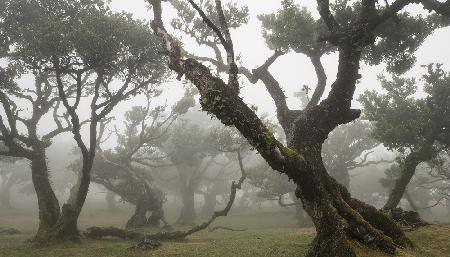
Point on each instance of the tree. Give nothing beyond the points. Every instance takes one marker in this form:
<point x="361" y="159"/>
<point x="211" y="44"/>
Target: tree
<point x="74" y="49"/>
<point x="13" y="172"/>
<point x="418" y="128"/>
<point x="192" y="156"/>
<point x="127" y="169"/>
<point x="276" y="187"/>
<point x="338" y="217"/>
<point x="348" y="147"/>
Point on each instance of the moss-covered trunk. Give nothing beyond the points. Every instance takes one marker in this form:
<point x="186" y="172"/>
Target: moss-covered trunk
<point x="340" y="219"/>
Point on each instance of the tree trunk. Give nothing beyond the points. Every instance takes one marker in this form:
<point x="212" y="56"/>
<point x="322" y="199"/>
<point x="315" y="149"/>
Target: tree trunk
<point x="139" y="218"/>
<point x="408" y="169"/>
<point x="49" y="210"/>
<point x="187" y="213"/>
<point x="301" y="216"/>
<point x="66" y="227"/>
<point x="338" y="218"/>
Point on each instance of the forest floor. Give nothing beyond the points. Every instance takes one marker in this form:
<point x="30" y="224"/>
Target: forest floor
<point x="266" y="235"/>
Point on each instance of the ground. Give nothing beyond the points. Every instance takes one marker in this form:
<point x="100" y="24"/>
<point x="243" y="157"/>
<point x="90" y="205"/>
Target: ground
<point x="267" y="234"/>
<point x="432" y="242"/>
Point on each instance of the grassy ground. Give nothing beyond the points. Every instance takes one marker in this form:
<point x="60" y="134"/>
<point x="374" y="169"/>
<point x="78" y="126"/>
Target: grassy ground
<point x="262" y="238"/>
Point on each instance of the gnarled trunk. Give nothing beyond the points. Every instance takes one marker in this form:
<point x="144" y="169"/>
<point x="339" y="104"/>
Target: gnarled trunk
<point x="340" y="219"/>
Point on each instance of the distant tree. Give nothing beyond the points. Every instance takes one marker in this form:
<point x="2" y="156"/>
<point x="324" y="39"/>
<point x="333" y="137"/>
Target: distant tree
<point x="234" y="148"/>
<point x="418" y="128"/>
<point x="348" y="147"/>
<point x="277" y="187"/>
<point x="192" y="156"/>
<point x="338" y="217"/>
<point x="127" y="169"/>
<point x="13" y="172"/>
<point x="74" y="49"/>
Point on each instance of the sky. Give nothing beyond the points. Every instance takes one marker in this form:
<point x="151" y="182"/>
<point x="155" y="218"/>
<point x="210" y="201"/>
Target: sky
<point x="293" y="70"/>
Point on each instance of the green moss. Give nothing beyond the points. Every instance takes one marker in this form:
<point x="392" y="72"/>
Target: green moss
<point x="293" y="155"/>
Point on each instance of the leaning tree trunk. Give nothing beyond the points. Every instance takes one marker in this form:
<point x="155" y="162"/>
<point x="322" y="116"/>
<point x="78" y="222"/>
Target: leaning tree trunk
<point x="187" y="213"/>
<point x="49" y="210"/>
<point x="340" y="219"/>
<point x="408" y="169"/>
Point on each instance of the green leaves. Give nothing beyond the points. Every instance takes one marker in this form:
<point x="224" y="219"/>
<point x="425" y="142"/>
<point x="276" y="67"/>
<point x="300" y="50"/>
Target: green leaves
<point x="292" y="28"/>
<point x="404" y="121"/>
<point x="397" y="41"/>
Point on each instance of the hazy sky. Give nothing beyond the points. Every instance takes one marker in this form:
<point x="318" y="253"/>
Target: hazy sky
<point x="292" y="70"/>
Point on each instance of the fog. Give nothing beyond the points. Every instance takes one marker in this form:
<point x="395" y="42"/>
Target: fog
<point x="161" y="158"/>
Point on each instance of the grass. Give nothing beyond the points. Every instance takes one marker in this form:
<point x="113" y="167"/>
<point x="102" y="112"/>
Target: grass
<point x="267" y="235"/>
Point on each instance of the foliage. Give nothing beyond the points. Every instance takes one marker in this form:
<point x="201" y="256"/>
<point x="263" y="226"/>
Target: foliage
<point x="401" y="120"/>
